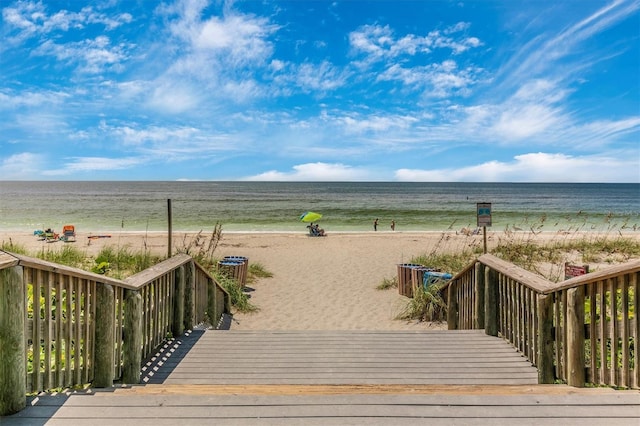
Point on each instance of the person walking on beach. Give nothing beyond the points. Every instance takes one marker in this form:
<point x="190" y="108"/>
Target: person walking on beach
<point x="375" y="224"/>
<point x="393" y="225"/>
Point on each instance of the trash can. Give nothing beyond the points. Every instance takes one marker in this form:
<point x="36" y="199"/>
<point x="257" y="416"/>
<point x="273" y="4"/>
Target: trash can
<point x="405" y="287"/>
<point x="244" y="270"/>
<point x="417" y="277"/>
<point x="231" y="269"/>
<point x="432" y="278"/>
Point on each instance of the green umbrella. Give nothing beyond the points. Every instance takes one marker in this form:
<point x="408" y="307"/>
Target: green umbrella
<point x="310" y="217"/>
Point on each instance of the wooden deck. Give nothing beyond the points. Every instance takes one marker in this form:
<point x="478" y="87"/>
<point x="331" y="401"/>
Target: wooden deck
<point x="336" y="378"/>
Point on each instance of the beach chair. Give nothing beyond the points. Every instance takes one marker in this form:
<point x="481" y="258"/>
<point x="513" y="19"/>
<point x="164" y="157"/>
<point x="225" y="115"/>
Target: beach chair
<point x="50" y="235"/>
<point x="68" y="233"/>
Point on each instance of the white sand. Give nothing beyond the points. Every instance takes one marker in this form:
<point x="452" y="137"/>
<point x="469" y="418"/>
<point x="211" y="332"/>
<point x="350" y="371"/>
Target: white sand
<point x="318" y="283"/>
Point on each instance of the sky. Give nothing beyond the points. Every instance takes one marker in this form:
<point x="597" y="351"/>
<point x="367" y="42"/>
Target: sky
<point x="355" y="90"/>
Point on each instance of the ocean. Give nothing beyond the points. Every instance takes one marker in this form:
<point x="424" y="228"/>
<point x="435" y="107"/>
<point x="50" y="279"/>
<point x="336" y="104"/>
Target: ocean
<point x="346" y="206"/>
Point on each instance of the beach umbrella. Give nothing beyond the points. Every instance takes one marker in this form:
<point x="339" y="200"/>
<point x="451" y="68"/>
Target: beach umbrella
<point x="310" y="217"/>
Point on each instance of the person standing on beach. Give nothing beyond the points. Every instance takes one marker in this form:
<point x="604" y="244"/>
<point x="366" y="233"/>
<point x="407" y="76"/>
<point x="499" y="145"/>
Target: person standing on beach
<point x="375" y="224"/>
<point x="393" y="225"/>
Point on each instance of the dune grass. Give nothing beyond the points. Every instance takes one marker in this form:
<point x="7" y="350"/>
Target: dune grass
<point x="519" y="245"/>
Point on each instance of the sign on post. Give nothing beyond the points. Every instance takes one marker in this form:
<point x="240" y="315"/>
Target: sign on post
<point x="484" y="214"/>
<point x="484" y="220"/>
<point x="571" y="271"/>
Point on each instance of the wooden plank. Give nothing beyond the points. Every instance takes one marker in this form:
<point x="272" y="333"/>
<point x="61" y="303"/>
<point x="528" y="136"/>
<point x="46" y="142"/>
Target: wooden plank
<point x="529" y="279"/>
<point x="344" y="408"/>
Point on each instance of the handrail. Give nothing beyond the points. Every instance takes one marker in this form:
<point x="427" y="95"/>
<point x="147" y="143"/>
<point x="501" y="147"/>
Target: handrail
<point x="73" y="327"/>
<point x="605" y="274"/>
<point x="582" y="330"/>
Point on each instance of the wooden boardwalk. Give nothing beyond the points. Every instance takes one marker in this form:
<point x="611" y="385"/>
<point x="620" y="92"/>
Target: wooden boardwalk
<point x="336" y="378"/>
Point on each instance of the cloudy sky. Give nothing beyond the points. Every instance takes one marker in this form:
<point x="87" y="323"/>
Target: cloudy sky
<point x="355" y="90"/>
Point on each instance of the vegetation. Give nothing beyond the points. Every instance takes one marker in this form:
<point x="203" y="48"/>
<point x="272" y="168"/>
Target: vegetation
<point x="427" y="304"/>
<point x="239" y="298"/>
<point x="522" y="248"/>
<point x="202" y="247"/>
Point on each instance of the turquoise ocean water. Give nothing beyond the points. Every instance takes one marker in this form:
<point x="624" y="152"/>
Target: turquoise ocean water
<point x="346" y="206"/>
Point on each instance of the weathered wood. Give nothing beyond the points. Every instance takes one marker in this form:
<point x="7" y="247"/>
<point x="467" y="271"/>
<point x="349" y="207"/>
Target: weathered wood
<point x="452" y="307"/>
<point x="178" y="301"/>
<point x="12" y="341"/>
<point x="512" y="271"/>
<point x="189" y="296"/>
<point x="104" y="357"/>
<point x="491" y="302"/>
<point x="145" y="277"/>
<point x="575" y="337"/>
<point x="39" y="264"/>
<point x="479" y="293"/>
<point x="133" y="337"/>
<point x="634" y="281"/>
<point x="545" y="339"/>
<point x="605" y="274"/>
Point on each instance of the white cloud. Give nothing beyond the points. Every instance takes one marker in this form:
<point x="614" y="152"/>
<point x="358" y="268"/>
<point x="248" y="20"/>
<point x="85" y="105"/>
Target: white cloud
<point x="435" y="80"/>
<point x="377" y="42"/>
<point x="375" y="123"/>
<point x="31" y="99"/>
<point x="74" y="165"/>
<point x="23" y="166"/>
<point x="316" y="172"/>
<point x="26" y="19"/>
<point x="536" y="167"/>
<point x="92" y="56"/>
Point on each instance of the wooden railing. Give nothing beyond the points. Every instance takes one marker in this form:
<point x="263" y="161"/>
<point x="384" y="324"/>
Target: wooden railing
<point x="61" y="326"/>
<point x="582" y="330"/>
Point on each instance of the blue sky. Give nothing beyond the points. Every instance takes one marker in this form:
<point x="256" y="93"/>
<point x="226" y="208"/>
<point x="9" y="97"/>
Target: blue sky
<point x="481" y="91"/>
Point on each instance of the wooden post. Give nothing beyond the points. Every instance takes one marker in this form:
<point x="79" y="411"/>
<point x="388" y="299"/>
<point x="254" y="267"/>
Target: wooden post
<point x="575" y="337"/>
<point x="452" y="307"/>
<point x="545" y="339"/>
<point x="13" y="387"/>
<point x="133" y="336"/>
<point x="178" y="302"/>
<point x="211" y="303"/>
<point x="170" y="226"/>
<point x="484" y="237"/>
<point x="189" y="289"/>
<point x="105" y="342"/>
<point x="479" y="301"/>
<point x="490" y="302"/>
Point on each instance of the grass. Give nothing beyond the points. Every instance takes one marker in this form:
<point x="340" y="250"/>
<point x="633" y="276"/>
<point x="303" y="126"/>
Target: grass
<point x="426" y="305"/>
<point x="239" y="299"/>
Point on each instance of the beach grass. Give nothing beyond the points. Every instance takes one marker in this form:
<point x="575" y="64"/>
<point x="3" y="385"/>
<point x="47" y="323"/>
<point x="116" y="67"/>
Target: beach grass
<point x="240" y="300"/>
<point x="545" y="257"/>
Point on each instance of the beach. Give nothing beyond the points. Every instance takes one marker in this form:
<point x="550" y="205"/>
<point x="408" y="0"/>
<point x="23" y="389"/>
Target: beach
<point x="318" y="283"/>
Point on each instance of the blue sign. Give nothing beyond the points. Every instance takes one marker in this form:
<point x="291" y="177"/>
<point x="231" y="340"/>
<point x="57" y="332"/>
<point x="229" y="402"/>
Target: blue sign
<point x="484" y="214"/>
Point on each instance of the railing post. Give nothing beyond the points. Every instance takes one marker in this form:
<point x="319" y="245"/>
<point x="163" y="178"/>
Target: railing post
<point x="575" y="337"/>
<point x="479" y="300"/>
<point x="13" y="388"/>
<point x="105" y="342"/>
<point x="490" y="302"/>
<point x="189" y="289"/>
<point x="132" y="344"/>
<point x="211" y="302"/>
<point x="452" y="307"/>
<point x="178" y="303"/>
<point x="545" y="339"/>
